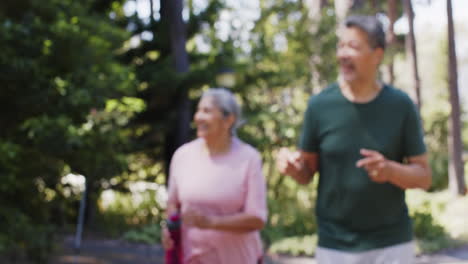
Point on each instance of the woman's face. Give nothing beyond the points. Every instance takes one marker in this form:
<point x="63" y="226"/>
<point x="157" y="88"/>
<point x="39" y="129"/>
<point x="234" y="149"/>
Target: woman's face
<point x="210" y="121"/>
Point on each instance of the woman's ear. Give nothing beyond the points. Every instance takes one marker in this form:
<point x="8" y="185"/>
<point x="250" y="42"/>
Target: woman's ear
<point x="230" y="120"/>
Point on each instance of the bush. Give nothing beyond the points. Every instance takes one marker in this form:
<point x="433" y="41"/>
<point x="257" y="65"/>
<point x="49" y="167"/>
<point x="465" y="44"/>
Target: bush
<point x="297" y="245"/>
<point x="425" y="227"/>
<point x="436" y="140"/>
<point x="22" y="240"/>
<point x="433" y="219"/>
<point x="150" y="234"/>
<point x="129" y="212"/>
<point x="291" y="210"/>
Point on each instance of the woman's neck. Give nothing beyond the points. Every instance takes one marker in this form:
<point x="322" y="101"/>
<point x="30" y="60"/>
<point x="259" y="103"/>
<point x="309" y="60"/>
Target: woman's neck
<point x="218" y="145"/>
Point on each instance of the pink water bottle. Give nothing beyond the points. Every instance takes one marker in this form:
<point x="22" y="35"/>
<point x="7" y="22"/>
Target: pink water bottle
<point x="174" y="255"/>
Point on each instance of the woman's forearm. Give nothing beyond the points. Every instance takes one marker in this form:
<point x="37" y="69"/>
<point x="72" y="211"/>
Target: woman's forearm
<point x="237" y="223"/>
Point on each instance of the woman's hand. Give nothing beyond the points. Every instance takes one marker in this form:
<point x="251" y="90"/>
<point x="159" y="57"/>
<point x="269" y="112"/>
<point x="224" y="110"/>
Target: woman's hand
<point x="196" y="219"/>
<point x="166" y="239"/>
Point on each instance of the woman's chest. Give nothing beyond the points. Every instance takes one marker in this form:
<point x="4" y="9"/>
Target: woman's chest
<point x="213" y="182"/>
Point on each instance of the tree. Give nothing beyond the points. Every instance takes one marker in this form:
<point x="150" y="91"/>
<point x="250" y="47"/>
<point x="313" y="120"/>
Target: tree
<point x="411" y="49"/>
<point x="165" y="79"/>
<point x="342" y="7"/>
<point x="57" y="65"/>
<point x="456" y="170"/>
<point x="178" y="42"/>
<point x="391" y="38"/>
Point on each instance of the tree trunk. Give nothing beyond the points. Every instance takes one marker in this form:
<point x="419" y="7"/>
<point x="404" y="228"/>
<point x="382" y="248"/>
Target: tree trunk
<point x="151" y="12"/>
<point x="391" y="38"/>
<point x="374" y="6"/>
<point x="177" y="31"/>
<point x="315" y="8"/>
<point x="411" y="47"/>
<point x="342" y="7"/>
<point x="91" y="200"/>
<point x="456" y="170"/>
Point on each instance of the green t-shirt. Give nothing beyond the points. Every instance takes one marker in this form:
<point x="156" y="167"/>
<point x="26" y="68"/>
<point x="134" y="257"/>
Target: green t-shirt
<point x="353" y="212"/>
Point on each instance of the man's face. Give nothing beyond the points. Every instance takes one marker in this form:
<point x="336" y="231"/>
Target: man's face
<point x="357" y="60"/>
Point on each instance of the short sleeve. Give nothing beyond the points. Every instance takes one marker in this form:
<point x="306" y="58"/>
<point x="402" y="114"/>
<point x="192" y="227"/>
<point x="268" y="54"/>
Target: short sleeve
<point x="173" y="195"/>
<point x="255" y="202"/>
<point x="413" y="137"/>
<point x="308" y="141"/>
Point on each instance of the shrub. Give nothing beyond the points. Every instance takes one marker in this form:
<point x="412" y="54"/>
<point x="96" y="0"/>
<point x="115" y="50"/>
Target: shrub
<point x="149" y="234"/>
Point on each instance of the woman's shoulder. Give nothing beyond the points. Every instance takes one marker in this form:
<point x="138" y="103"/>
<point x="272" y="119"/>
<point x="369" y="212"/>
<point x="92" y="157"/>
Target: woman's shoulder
<point x="246" y="149"/>
<point x="188" y="147"/>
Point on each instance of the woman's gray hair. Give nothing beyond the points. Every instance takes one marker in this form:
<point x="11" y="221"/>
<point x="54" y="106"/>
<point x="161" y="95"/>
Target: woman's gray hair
<point x="227" y="103"/>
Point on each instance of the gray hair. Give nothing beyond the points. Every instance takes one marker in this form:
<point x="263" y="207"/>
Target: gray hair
<point x="227" y="103"/>
<point x="371" y="25"/>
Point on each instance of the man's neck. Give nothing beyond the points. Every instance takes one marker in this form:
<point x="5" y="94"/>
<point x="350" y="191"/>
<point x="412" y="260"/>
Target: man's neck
<point x="360" y="92"/>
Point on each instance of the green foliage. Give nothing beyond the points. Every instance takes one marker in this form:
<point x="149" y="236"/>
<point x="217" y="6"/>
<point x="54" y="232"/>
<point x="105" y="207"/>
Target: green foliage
<point x="149" y="234"/>
<point x="425" y="226"/>
<point x="58" y="69"/>
<point x="436" y="140"/>
<point x="297" y="245"/>
<point x="431" y="236"/>
<point x="129" y="211"/>
<point x="31" y="241"/>
<point x="438" y="219"/>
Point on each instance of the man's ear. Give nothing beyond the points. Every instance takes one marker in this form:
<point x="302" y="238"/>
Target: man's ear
<point x="379" y="53"/>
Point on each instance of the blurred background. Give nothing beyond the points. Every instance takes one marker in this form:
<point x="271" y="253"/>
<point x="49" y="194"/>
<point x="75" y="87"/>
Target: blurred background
<point x="97" y="94"/>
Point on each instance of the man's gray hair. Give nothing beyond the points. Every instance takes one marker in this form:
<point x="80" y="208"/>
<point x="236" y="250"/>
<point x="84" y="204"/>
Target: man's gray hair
<point x="227" y="103"/>
<point x="371" y="25"/>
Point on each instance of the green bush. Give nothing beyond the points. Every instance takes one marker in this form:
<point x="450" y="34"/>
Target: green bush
<point x="23" y="240"/>
<point x="436" y="140"/>
<point x="425" y="227"/>
<point x="149" y="234"/>
<point x="125" y="213"/>
<point x="291" y="210"/>
<point x="429" y="212"/>
<point x="297" y="245"/>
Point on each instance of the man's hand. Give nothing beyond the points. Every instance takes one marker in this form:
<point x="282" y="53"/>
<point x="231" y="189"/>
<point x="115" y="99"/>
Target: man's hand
<point x="289" y="162"/>
<point x="376" y="165"/>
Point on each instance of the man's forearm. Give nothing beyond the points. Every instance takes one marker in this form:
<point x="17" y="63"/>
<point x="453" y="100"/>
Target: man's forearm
<point x="408" y="176"/>
<point x="304" y="176"/>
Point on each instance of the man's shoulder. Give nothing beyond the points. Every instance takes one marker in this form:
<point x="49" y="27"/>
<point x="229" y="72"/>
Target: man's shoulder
<point x="331" y="91"/>
<point x="397" y="96"/>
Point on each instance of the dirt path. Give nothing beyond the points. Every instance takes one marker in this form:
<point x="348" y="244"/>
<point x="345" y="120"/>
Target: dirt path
<point x="100" y="251"/>
<point x="103" y="251"/>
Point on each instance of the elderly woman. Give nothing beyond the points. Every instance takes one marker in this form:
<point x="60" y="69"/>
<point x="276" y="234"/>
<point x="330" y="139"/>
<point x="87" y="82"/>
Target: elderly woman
<point x="217" y="183"/>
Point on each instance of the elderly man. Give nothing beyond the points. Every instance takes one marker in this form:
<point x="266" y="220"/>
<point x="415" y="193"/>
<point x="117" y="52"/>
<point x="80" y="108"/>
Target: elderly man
<point x="365" y="140"/>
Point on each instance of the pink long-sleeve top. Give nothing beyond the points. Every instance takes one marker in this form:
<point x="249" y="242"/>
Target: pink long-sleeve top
<point x="219" y="185"/>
